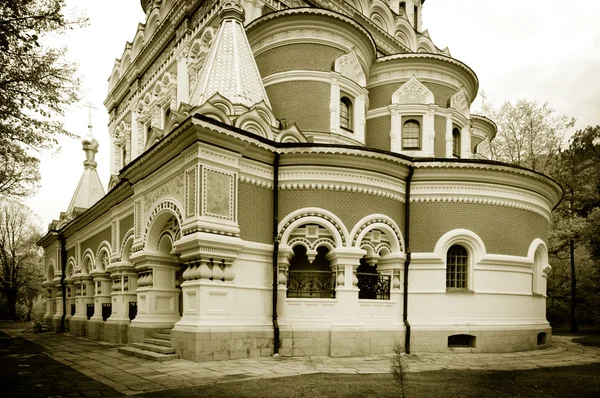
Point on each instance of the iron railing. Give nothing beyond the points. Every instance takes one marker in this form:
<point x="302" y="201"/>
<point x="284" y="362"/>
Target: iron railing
<point x="132" y="310"/>
<point x="106" y="310"/>
<point x="89" y="310"/>
<point x="311" y="284"/>
<point x="373" y="286"/>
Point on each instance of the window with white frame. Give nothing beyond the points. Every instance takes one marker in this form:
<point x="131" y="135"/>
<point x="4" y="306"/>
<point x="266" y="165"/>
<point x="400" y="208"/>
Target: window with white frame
<point x="346" y="113"/>
<point x="411" y="135"/>
<point x="457" y="267"/>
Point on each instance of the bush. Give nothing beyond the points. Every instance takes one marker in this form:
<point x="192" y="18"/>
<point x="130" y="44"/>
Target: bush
<point x="399" y="368"/>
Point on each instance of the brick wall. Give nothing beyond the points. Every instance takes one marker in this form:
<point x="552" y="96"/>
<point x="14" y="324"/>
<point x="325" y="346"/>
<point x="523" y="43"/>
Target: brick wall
<point x="71" y="253"/>
<point x="304" y="102"/>
<point x="301" y="56"/>
<point x="94" y="242"/>
<point x="350" y="207"/>
<point x="504" y="230"/>
<point x="125" y="225"/>
<point x="378" y="133"/>
<point x="255" y="213"/>
<point x="381" y="96"/>
<point x="441" y="93"/>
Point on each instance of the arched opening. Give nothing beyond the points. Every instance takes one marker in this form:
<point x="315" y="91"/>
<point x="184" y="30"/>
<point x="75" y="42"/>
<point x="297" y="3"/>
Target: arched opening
<point x="411" y="135"/>
<point x="310" y="279"/>
<point x="456" y="142"/>
<point x="457" y="267"/>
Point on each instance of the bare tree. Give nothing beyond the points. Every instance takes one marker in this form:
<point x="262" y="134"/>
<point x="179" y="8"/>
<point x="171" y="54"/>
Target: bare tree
<point x="20" y="275"/>
<point x="529" y="134"/>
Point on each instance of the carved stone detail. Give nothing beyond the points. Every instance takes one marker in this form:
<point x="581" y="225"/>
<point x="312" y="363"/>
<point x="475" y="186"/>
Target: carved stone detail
<point x="413" y="92"/>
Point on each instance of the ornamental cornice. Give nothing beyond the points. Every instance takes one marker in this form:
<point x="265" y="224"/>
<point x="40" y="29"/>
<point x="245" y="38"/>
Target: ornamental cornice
<point x="336" y="179"/>
<point x="255" y="173"/>
<point x="475" y="195"/>
<point x="341" y="188"/>
<point x="428" y="164"/>
<point x="256" y="47"/>
<point x="438" y="57"/>
<point x="345" y="151"/>
<point x="424" y="75"/>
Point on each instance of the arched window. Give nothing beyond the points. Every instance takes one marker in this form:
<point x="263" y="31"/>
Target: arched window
<point x="411" y="135"/>
<point x="346" y="113"/>
<point x="457" y="267"/>
<point x="456" y="143"/>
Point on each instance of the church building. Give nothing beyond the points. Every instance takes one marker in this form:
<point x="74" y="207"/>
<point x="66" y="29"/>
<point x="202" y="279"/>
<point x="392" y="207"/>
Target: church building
<point x="298" y="177"/>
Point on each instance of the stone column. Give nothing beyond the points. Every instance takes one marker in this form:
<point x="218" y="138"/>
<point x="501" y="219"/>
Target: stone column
<point x="345" y="261"/>
<point x="70" y="302"/>
<point x="393" y="265"/>
<point x="183" y="81"/>
<point x="157" y="294"/>
<point x="430" y="131"/>
<point x="84" y="292"/>
<point x="257" y="10"/>
<point x="359" y="117"/>
<point x="449" y="136"/>
<point x="396" y="129"/>
<point x="50" y="302"/>
<point x="465" y="141"/>
<point x="283" y="266"/>
<point x="124" y="284"/>
<point x="134" y="145"/>
<point x="334" y="104"/>
<point x="58" y="306"/>
<point x="101" y="290"/>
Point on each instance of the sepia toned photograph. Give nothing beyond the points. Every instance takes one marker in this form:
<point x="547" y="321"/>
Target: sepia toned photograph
<point x="299" y="198"/>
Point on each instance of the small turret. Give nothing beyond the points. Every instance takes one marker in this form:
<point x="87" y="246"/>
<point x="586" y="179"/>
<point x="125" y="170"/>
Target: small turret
<point x="90" y="189"/>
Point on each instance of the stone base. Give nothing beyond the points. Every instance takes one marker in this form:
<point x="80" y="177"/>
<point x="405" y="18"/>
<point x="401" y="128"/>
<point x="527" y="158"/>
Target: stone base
<point x="95" y="329"/>
<point x="47" y="320"/>
<point x="77" y="327"/>
<point x="216" y="346"/>
<point x="136" y="333"/>
<point x="510" y="340"/>
<point x="55" y="323"/>
<point x="116" y="332"/>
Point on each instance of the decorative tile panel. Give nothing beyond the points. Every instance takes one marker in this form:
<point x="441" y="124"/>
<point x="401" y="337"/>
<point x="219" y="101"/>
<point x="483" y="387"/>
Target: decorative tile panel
<point x="218" y="194"/>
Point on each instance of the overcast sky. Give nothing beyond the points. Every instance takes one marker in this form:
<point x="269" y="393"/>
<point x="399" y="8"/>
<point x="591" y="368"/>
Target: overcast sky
<point x="545" y="50"/>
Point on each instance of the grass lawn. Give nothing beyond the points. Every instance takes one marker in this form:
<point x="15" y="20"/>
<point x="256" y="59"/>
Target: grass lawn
<point x="573" y="381"/>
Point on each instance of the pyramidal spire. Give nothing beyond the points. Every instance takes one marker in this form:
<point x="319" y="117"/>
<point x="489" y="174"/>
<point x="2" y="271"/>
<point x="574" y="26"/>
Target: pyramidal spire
<point x="90" y="189"/>
<point x="230" y="69"/>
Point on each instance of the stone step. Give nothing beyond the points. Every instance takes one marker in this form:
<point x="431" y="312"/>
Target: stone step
<point x="153" y="356"/>
<point x="166" y="331"/>
<point x="161" y="342"/>
<point x="161" y="336"/>
<point x="161" y="349"/>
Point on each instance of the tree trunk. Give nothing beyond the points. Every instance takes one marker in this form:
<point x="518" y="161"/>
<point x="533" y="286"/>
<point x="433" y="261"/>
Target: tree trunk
<point x="12" y="305"/>
<point x="573" y="286"/>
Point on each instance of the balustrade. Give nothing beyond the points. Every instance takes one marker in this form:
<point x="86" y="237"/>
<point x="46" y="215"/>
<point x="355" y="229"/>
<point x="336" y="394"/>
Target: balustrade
<point x="373" y="286"/>
<point x="311" y="284"/>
